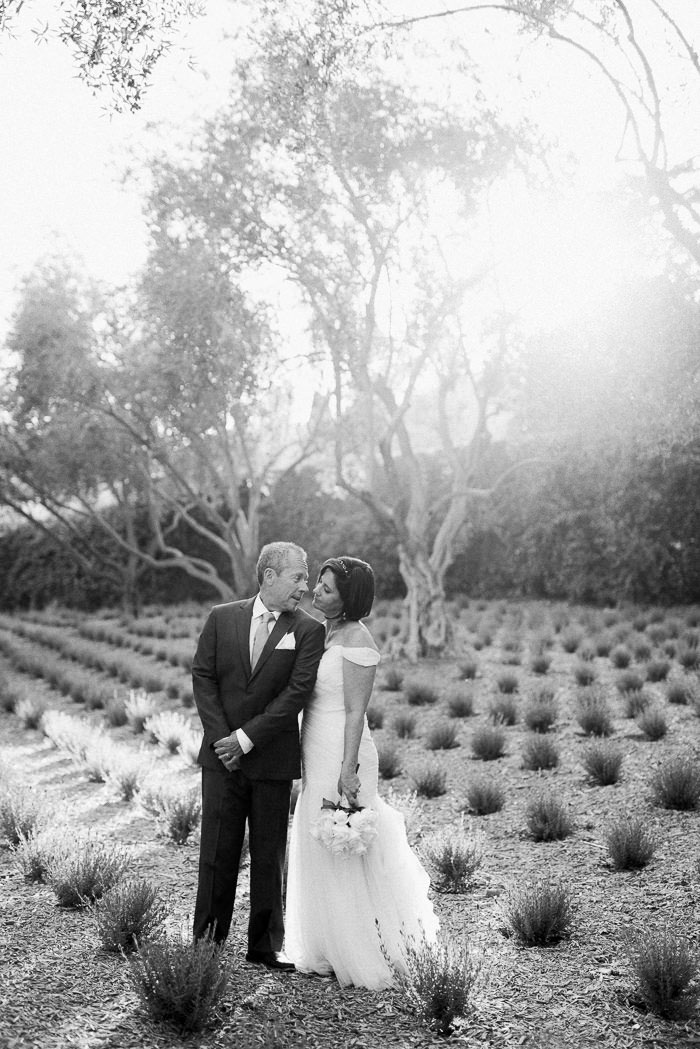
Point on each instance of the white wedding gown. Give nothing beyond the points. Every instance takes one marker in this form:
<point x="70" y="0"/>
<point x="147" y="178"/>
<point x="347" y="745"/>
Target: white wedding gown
<point x="338" y="906"/>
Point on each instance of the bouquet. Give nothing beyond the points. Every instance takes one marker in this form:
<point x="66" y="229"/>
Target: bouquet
<point x="345" y="829"/>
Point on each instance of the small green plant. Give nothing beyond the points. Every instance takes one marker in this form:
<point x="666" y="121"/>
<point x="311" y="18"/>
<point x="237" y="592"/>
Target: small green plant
<point x="430" y="781"/>
<point x="82" y="874"/>
<point x="404" y="725"/>
<point x="666" y="967"/>
<point x="507" y="683"/>
<point x="392" y="680"/>
<point x="541" y="711"/>
<point x="167" y="728"/>
<point x="593" y="713"/>
<point x="571" y="638"/>
<point x="455" y="854"/>
<point x="540" y="752"/>
<point x="539" y="913"/>
<point x="681" y="691"/>
<point x="630" y="845"/>
<point x="603" y="645"/>
<point x="129" y="913"/>
<point x="460" y="703"/>
<point x="179" y="981"/>
<point x="488" y="742"/>
<point x="442" y="736"/>
<point x="603" y="763"/>
<point x="676" y="783"/>
<point x="547" y="819"/>
<point x="652" y="721"/>
<point x="438" y="981"/>
<point x="420" y="694"/>
<point x="389" y="761"/>
<point x="484" y="796"/>
<point x="140" y="706"/>
<point x="688" y="656"/>
<point x="36" y="850"/>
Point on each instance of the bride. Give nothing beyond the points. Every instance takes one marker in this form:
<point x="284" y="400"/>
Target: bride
<point x="348" y="912"/>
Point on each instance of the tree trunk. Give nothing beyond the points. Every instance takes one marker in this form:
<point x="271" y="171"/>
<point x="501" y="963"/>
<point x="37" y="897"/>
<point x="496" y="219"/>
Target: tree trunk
<point x="427" y="626"/>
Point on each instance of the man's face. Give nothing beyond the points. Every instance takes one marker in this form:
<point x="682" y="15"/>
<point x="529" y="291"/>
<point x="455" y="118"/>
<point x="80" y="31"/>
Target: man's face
<point x="282" y="592"/>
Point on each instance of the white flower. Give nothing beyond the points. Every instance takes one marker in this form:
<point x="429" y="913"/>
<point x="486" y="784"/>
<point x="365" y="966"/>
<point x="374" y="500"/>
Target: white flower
<point x="345" y="831"/>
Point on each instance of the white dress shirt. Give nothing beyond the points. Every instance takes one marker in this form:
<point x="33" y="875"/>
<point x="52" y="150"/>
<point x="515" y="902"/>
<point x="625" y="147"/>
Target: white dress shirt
<point x="259" y="610"/>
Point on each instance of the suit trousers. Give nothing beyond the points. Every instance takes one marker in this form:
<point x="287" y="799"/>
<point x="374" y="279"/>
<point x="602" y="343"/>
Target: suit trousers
<point x="229" y="799"/>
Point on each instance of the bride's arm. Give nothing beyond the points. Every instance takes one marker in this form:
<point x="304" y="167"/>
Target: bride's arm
<point x="357" y="689"/>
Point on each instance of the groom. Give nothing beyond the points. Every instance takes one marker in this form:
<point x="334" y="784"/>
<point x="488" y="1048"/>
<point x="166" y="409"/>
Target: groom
<point x="253" y="671"/>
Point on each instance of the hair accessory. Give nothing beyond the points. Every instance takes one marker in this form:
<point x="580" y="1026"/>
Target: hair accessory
<point x="346" y="570"/>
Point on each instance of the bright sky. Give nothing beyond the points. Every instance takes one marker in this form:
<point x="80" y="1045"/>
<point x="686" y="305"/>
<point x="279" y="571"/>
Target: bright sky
<point x="63" y="155"/>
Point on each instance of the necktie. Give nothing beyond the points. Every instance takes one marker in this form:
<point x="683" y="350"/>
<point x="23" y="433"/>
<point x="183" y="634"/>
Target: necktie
<point x="261" y="636"/>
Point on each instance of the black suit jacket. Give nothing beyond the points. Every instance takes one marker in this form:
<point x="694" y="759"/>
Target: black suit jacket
<point x="265" y="703"/>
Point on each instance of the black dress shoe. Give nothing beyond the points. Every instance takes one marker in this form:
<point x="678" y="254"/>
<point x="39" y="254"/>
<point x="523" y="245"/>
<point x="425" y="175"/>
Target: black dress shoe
<point x="271" y="960"/>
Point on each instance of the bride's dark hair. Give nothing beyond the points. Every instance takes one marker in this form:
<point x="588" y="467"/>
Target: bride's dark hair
<point x="355" y="582"/>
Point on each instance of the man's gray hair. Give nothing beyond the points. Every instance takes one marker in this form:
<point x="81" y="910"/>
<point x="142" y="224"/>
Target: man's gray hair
<point x="275" y="556"/>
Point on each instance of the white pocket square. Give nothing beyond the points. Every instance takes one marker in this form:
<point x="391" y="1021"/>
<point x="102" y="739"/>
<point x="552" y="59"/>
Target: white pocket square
<point x="287" y="644"/>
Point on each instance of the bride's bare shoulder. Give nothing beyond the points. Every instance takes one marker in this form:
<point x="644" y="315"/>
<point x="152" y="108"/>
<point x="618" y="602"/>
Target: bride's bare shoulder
<point x="356" y="635"/>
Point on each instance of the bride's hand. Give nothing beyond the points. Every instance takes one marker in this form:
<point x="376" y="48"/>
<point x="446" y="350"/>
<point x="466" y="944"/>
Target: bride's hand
<point x="349" y="785"/>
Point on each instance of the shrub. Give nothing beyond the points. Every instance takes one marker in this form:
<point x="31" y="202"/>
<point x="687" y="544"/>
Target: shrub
<point x="404" y="725"/>
<point x="603" y="645"/>
<point x="442" y="736"/>
<point x="21" y="812"/>
<point x="178" y="811"/>
<point x="375" y="716"/>
<point x="547" y="819"/>
<point x="666" y="968"/>
<point x="127" y="772"/>
<point x="81" y="874"/>
<point x="468" y="669"/>
<point x="485" y="796"/>
<point x="630" y="681"/>
<point x="620" y="657"/>
<point x="392" y="680"/>
<point x="29" y="710"/>
<point x="128" y="914"/>
<point x="167" y="728"/>
<point x="115" y="711"/>
<point x="540" y="752"/>
<point x="36" y="850"/>
<point x="540" y="663"/>
<point x="540" y="913"/>
<point x="190" y="745"/>
<point x="139" y="707"/>
<point x="460" y="704"/>
<point x="488" y="742"/>
<point x="603" y="763"/>
<point x="571" y="639"/>
<point x="179" y="981"/>
<point x="507" y="683"/>
<point x="676" y="784"/>
<point x="682" y="691"/>
<point x="541" y="711"/>
<point x="456" y="855"/>
<point x="593" y="714"/>
<point x="584" y="674"/>
<point x="389" y="761"/>
<point x="97" y="759"/>
<point x="653" y="724"/>
<point x="503" y="710"/>
<point x="642" y="650"/>
<point x="420" y="694"/>
<point x="688" y="656"/>
<point x="636" y="702"/>
<point x="629" y="844"/>
<point x="658" y="670"/>
<point x="438" y="981"/>
<point x="430" y="781"/>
